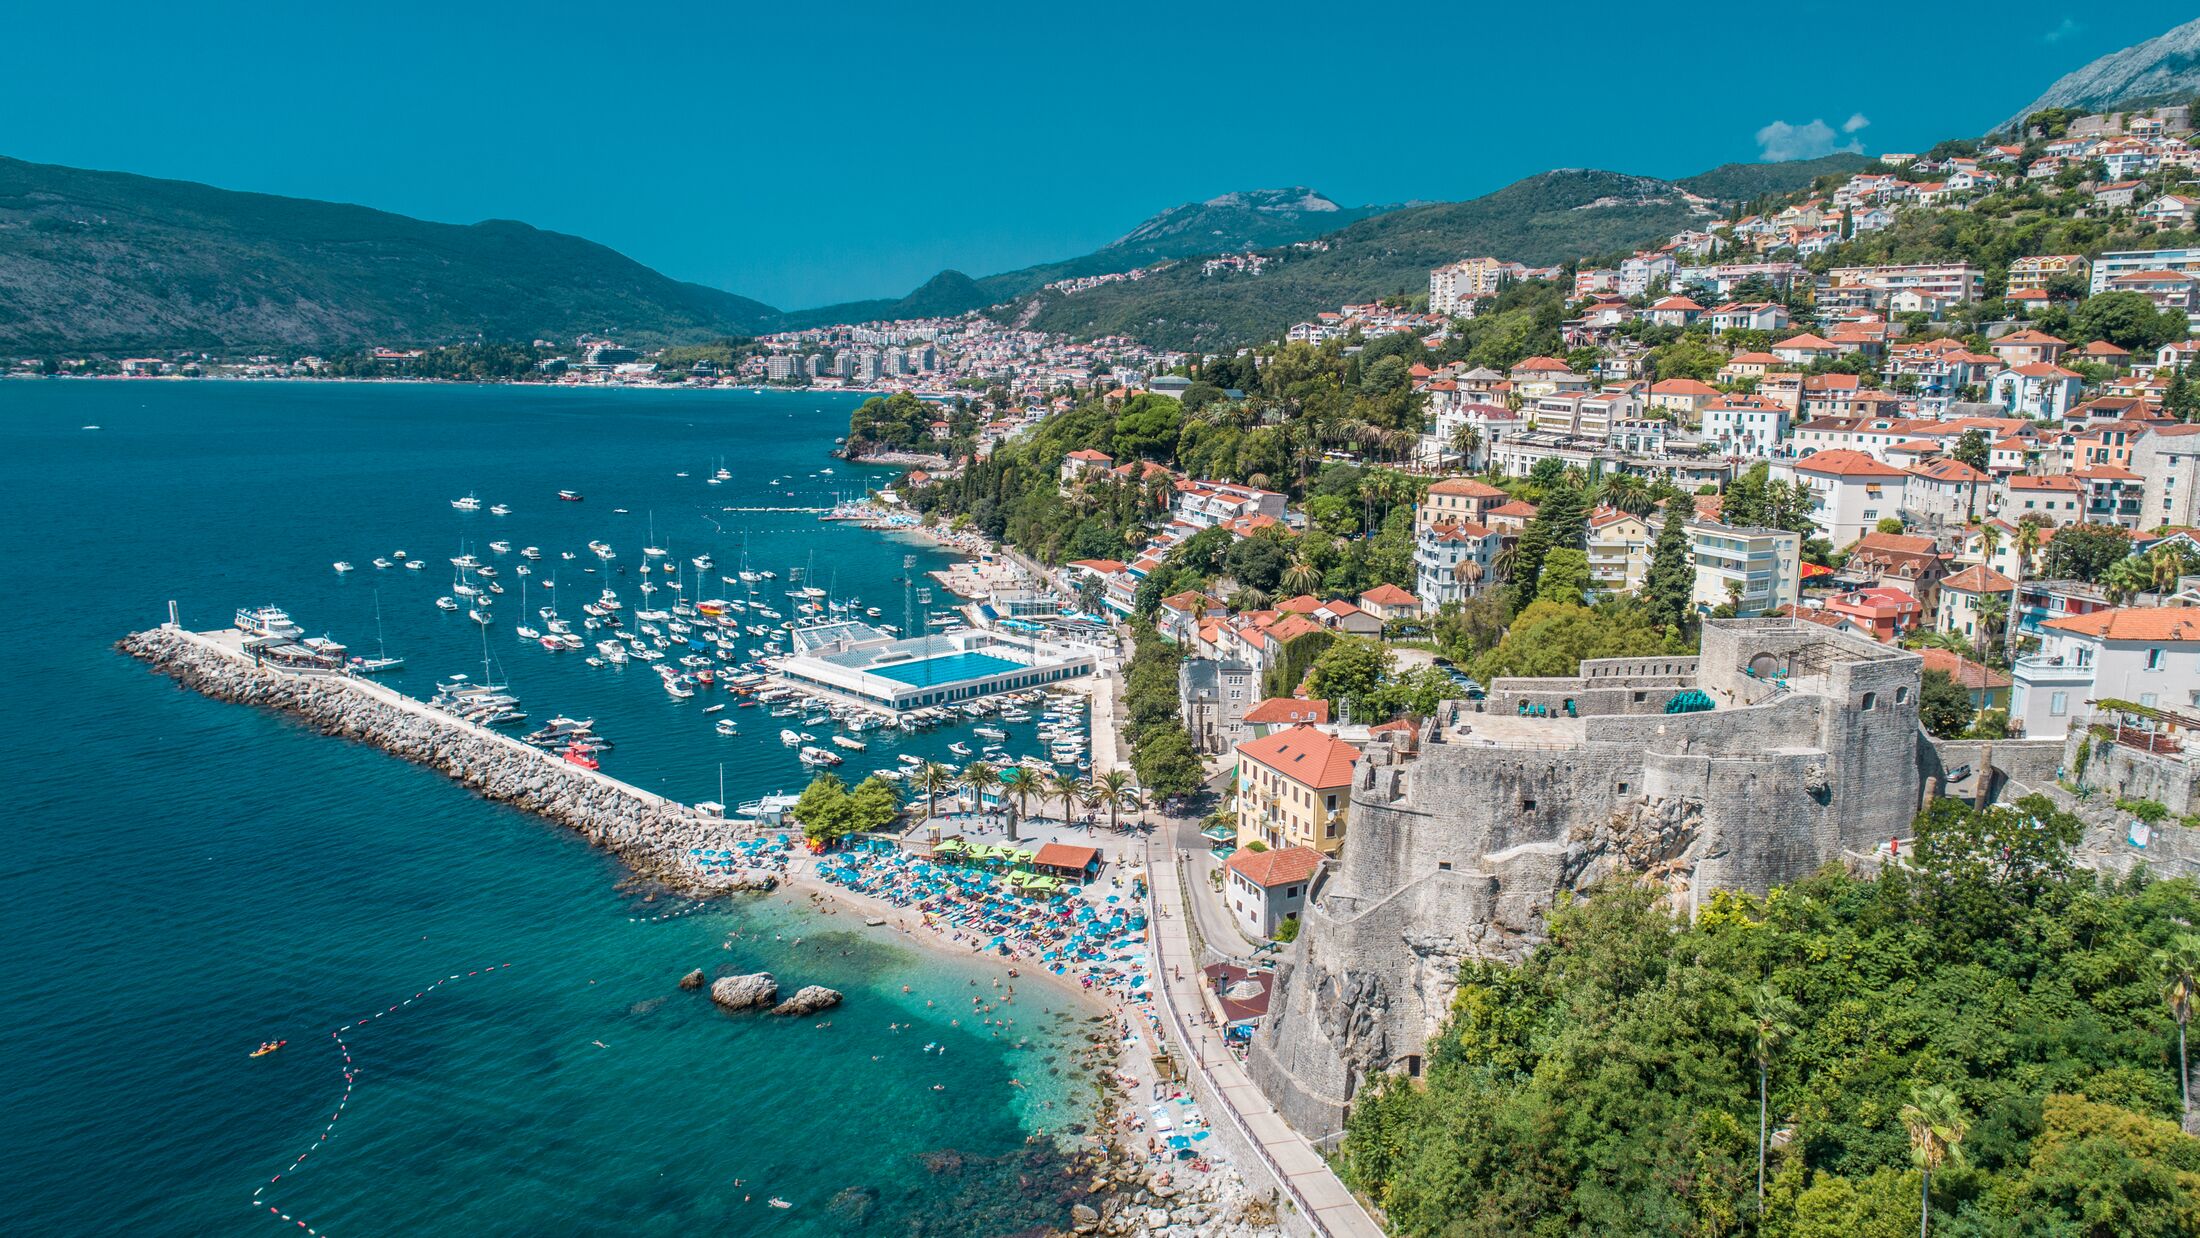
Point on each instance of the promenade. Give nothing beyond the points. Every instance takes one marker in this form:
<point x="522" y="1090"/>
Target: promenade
<point x="1287" y="1157"/>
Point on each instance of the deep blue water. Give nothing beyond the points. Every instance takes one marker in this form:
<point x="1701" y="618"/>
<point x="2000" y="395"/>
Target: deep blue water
<point x="185" y="878"/>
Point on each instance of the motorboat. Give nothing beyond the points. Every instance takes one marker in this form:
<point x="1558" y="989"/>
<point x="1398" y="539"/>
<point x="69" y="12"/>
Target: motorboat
<point x="530" y="552"/>
<point x="570" y="496"/>
<point x="446" y="603"/>
<point x="576" y="755"/>
<point x="500" y="510"/>
<point x="267" y="621"/>
<point x="341" y="567"/>
<point x="726" y="727"/>
<point x="414" y="565"/>
<point x="380" y="562"/>
<point x="471" y="503"/>
<point x="501" y="547"/>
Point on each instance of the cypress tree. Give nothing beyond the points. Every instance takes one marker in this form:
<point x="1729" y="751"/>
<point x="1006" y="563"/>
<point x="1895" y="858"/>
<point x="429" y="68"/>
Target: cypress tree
<point x="1668" y="588"/>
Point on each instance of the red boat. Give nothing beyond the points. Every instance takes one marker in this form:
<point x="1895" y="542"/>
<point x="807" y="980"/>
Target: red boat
<point x="570" y="496"/>
<point x="576" y="756"/>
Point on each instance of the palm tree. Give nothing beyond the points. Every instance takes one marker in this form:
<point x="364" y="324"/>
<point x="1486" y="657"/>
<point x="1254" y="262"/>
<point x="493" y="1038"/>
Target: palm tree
<point x="1626" y="492"/>
<point x="933" y="778"/>
<point x="1771" y="1022"/>
<point x="1300" y="576"/>
<point x="1466" y="440"/>
<point x="979" y="778"/>
<point x="1065" y="788"/>
<point x="2179" y="963"/>
<point x="2167" y="567"/>
<point x="1090" y="793"/>
<point x="1935" y="1120"/>
<point x="1506" y="558"/>
<point x="1112" y="786"/>
<point x="1018" y="784"/>
<point x="1468" y="571"/>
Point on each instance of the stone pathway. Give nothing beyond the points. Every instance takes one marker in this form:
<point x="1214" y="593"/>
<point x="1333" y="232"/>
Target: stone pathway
<point x="1288" y="1157"/>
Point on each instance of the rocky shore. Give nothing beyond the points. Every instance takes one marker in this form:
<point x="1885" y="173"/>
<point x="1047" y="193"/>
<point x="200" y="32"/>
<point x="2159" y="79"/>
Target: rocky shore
<point x="1117" y="1191"/>
<point x="650" y="834"/>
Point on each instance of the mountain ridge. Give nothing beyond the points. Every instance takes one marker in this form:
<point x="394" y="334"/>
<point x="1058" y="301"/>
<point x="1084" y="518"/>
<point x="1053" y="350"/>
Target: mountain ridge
<point x="2165" y="68"/>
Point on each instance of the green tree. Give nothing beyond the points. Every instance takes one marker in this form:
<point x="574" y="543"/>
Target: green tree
<point x="1348" y="673"/>
<point x="1669" y="586"/>
<point x="2178" y="964"/>
<point x="2086" y="551"/>
<point x="1936" y="1123"/>
<point x="1565" y="577"/>
<point x="1972" y="448"/>
<point x="1771" y="1023"/>
<point x="2127" y="320"/>
<point x="1551" y="638"/>
<point x="824" y="809"/>
<point x="1944" y="706"/>
<point x="1111" y="789"/>
<point x="933" y="778"/>
<point x="1166" y="764"/>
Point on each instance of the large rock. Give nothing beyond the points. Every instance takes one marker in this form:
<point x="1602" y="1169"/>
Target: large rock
<point x="745" y="992"/>
<point x="693" y="980"/>
<point x="809" y="1000"/>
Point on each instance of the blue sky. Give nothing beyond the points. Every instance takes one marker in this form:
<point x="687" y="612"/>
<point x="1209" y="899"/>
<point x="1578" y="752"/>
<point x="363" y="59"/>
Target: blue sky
<point x="804" y="154"/>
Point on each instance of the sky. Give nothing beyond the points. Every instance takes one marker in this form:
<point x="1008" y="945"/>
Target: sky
<point x="804" y="155"/>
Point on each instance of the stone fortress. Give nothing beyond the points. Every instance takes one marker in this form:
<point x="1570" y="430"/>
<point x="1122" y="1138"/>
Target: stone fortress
<point x="1796" y="746"/>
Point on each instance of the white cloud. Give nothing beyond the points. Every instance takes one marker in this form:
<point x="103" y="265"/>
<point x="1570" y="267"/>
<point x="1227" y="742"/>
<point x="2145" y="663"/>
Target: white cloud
<point x="1780" y="141"/>
<point x="2062" y="31"/>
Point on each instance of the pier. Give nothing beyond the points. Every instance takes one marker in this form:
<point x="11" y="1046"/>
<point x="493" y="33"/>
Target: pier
<point x="651" y="833"/>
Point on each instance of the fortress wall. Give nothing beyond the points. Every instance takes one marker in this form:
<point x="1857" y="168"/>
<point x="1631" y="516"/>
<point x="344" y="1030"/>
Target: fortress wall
<point x="1639" y="668"/>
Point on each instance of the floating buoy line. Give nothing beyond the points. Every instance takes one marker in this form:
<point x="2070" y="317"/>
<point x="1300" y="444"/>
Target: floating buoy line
<point x="259" y="1196"/>
<point x="688" y="910"/>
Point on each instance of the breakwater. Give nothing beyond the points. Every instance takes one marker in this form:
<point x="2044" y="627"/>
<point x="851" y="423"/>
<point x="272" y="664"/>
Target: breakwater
<point x="650" y="833"/>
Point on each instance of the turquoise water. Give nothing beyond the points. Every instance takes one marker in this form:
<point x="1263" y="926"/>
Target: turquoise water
<point x="948" y="669"/>
<point x="186" y="878"/>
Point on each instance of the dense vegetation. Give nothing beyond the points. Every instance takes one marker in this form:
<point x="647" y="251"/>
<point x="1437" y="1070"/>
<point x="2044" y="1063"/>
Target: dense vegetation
<point x="1991" y="1002"/>
<point x="1161" y="749"/>
<point x="109" y="261"/>
<point x="1547" y="219"/>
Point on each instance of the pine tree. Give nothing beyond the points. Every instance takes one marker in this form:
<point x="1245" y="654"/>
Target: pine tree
<point x="1668" y="588"/>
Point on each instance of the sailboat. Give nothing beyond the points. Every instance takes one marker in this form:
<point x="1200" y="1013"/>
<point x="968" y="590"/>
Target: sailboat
<point x="523" y="631"/>
<point x="382" y="661"/>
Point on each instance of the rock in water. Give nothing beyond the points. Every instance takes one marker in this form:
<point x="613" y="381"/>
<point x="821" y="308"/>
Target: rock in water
<point x="809" y="1000"/>
<point x="745" y="992"/>
<point x="693" y="980"/>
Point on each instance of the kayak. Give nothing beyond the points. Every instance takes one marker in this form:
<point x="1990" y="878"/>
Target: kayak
<point x="268" y="1048"/>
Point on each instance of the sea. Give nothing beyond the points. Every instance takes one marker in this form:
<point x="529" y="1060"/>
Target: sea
<point x="184" y="879"/>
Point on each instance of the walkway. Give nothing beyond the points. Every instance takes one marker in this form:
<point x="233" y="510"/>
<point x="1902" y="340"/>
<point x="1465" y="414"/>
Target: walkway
<point x="1311" y="1184"/>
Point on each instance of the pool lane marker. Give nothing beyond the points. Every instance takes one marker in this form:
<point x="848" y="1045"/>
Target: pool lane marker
<point x="688" y="910"/>
<point x="343" y="1102"/>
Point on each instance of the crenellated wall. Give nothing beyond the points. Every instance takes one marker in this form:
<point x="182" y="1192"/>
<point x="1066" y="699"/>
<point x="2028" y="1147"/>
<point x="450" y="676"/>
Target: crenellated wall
<point x="1458" y="851"/>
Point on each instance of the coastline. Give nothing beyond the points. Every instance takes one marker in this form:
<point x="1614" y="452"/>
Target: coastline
<point x="652" y="836"/>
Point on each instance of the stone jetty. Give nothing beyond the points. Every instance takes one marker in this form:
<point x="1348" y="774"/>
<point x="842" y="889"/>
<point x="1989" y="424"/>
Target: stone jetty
<point x="650" y="833"/>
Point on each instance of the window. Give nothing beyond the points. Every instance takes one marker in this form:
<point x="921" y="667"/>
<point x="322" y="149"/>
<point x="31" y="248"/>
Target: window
<point x="1901" y="695"/>
<point x="2058" y="704"/>
<point x="2154" y="659"/>
<point x="1443" y="866"/>
<point x="1871" y="701"/>
<point x="1527" y="805"/>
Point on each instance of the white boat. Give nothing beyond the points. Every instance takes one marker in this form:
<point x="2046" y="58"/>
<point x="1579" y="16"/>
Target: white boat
<point x="530" y="552"/>
<point x="726" y="727"/>
<point x="414" y="565"/>
<point x="852" y="745"/>
<point x="677" y="689"/>
<point x="790" y="738"/>
<point x="382" y="563"/>
<point x="267" y="621"/>
<point x="989" y="732"/>
<point x="500" y="510"/>
<point x="341" y="567"/>
<point x="466" y="561"/>
<point x="524" y="632"/>
<point x="501" y="547"/>
<point x="959" y="748"/>
<point x="481" y="615"/>
<point x="471" y="503"/>
<point x="445" y="603"/>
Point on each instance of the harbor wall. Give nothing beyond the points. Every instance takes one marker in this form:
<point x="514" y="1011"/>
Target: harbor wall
<point x="649" y="833"/>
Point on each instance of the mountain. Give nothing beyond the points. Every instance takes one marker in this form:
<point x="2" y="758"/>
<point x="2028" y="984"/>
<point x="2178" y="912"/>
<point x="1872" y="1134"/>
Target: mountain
<point x="1743" y="182"/>
<point x="1232" y="223"/>
<point x="114" y="262"/>
<point x="1235" y="222"/>
<point x="2164" y="69"/>
<point x="1541" y="220"/>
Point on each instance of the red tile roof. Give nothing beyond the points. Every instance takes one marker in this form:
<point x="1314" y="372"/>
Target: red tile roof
<point x="1304" y="755"/>
<point x="1842" y="462"/>
<point x="1281" y="867"/>
<point x="2163" y="623"/>
<point x="1288" y="710"/>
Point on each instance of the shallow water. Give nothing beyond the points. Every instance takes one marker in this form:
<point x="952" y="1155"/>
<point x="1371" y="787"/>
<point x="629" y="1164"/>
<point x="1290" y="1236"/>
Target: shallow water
<point x="187" y="878"/>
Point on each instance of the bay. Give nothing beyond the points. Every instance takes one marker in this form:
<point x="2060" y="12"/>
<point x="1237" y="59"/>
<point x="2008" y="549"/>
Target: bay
<point x="185" y="878"/>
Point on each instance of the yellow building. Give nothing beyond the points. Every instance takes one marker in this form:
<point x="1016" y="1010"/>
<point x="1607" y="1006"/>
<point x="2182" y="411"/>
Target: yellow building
<point x="1292" y="789"/>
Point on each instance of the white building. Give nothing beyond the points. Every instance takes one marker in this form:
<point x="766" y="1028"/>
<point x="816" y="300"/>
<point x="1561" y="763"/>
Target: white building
<point x="1437" y="553"/>
<point x="2146" y="655"/>
<point x="1851" y="492"/>
<point x="1745" y="425"/>
<point x="1759" y="570"/>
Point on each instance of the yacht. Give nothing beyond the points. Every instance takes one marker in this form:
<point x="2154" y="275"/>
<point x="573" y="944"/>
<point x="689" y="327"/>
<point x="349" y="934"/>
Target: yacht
<point x="726" y="727"/>
<point x="501" y="547"/>
<point x="342" y="567"/>
<point x="445" y="603"/>
<point x="570" y="496"/>
<point x="471" y="503"/>
<point x="530" y="552"/>
<point x="267" y="621"/>
<point x="382" y="563"/>
<point x="466" y="562"/>
<point x="414" y="565"/>
<point x="500" y="510"/>
<point x="790" y="738"/>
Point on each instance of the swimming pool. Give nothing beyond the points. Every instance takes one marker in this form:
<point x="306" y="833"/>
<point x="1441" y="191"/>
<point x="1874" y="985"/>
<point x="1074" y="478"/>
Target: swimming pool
<point x="952" y="668"/>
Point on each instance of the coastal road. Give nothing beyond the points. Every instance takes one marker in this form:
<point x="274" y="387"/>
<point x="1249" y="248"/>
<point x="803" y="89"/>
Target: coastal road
<point x="1314" y="1188"/>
